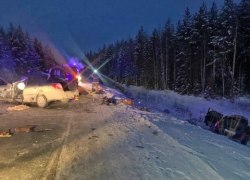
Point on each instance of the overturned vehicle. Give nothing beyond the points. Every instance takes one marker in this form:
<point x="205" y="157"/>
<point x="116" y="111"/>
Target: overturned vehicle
<point x="235" y="126"/>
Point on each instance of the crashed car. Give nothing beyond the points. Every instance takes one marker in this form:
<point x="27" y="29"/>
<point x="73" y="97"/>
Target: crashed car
<point x="235" y="126"/>
<point x="212" y="117"/>
<point x="67" y="76"/>
<point x="32" y="90"/>
<point x="11" y="91"/>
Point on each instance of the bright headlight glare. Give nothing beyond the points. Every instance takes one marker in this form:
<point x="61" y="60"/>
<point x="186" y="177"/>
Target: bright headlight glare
<point x="79" y="78"/>
<point x="21" y="86"/>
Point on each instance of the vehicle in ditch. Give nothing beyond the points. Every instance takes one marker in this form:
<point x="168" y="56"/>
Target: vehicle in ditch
<point x="212" y="117"/>
<point x="234" y="126"/>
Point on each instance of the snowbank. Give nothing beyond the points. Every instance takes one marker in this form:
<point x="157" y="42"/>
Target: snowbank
<point x="219" y="156"/>
<point x="187" y="107"/>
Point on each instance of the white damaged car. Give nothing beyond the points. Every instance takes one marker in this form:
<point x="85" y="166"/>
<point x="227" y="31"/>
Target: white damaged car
<point x="32" y="90"/>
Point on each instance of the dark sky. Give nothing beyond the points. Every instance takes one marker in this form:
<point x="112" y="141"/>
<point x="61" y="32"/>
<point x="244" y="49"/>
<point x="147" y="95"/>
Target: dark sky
<point x="77" y="26"/>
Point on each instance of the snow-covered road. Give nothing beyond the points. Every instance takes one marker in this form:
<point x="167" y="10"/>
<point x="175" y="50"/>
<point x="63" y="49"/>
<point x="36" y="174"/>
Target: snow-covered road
<point x="124" y="145"/>
<point x="229" y="159"/>
<point x="94" y="141"/>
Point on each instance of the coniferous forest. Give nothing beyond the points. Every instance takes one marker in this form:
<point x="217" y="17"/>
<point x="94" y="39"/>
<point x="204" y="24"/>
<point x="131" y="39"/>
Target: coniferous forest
<point x="20" y="53"/>
<point x="206" y="53"/>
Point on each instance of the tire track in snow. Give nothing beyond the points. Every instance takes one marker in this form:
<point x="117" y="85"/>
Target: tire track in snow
<point x="193" y="156"/>
<point x="51" y="169"/>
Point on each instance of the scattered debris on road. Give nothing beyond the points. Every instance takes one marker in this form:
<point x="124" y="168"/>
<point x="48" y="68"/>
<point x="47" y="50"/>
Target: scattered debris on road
<point x="30" y="128"/>
<point x="18" y="108"/>
<point x="143" y="109"/>
<point x="24" y="129"/>
<point x="109" y="101"/>
<point x="5" y="133"/>
<point x="127" y="102"/>
<point x="43" y="130"/>
<point x="97" y="88"/>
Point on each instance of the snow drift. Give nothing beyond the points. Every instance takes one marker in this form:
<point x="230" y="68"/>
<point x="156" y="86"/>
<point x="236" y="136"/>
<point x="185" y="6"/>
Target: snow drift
<point x="186" y="107"/>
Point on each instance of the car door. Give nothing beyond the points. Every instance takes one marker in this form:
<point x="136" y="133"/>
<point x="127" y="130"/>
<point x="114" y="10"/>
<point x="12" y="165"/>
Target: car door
<point x="35" y="84"/>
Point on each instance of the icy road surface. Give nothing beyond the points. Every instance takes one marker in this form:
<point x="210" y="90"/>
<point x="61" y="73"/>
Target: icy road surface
<point x="87" y="140"/>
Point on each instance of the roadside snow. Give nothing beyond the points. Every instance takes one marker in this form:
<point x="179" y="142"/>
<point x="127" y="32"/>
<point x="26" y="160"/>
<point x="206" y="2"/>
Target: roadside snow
<point x="186" y="107"/>
<point x="223" y="158"/>
<point x="91" y="140"/>
<point x="124" y="144"/>
<point x="227" y="158"/>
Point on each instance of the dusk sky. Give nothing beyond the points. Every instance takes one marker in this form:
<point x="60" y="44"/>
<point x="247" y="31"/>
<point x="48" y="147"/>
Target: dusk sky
<point x="75" y="26"/>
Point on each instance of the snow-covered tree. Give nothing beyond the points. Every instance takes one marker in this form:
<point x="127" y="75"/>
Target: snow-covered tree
<point x="243" y="50"/>
<point x="18" y="46"/>
<point x="49" y="58"/>
<point x="199" y="42"/>
<point x="7" y="64"/>
<point x="31" y="56"/>
<point x="139" y="56"/>
<point x="183" y="54"/>
<point x="207" y="54"/>
<point x="213" y="49"/>
<point x="167" y="46"/>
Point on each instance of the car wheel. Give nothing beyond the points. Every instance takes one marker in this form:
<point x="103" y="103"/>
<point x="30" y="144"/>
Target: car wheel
<point x="42" y="101"/>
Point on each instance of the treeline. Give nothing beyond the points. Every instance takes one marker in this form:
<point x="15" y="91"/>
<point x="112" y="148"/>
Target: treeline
<point x="20" y="53"/>
<point x="206" y="53"/>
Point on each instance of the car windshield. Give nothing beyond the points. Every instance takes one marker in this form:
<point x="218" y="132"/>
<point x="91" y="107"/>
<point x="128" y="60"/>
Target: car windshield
<point x="37" y="79"/>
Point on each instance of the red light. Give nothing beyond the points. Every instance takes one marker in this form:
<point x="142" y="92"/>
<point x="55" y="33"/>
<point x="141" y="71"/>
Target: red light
<point x="56" y="86"/>
<point x="78" y="77"/>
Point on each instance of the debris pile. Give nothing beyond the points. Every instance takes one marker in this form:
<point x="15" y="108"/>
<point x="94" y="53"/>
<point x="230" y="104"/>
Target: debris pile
<point x="97" y="88"/>
<point x="143" y="109"/>
<point x="109" y="101"/>
<point x="26" y="129"/>
<point x="23" y="129"/>
<point x="127" y="102"/>
<point x="5" y="133"/>
<point x="18" y="108"/>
